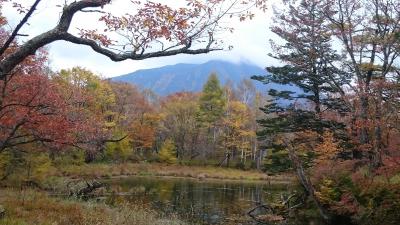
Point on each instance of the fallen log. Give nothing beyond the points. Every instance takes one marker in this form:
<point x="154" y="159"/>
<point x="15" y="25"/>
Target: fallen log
<point x="83" y="189"/>
<point x="277" y="213"/>
<point x="2" y="212"/>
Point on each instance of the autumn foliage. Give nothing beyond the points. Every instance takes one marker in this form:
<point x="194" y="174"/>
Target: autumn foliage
<point x="341" y="130"/>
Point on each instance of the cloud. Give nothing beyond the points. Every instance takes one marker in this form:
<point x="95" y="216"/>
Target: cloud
<point x="250" y="42"/>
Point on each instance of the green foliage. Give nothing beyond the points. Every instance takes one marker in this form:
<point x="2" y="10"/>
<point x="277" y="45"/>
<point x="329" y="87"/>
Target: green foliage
<point x="37" y="166"/>
<point x="180" y="123"/>
<point x="5" y="164"/>
<point x="328" y="192"/>
<point x="119" y="151"/>
<point x="277" y="160"/>
<point x="22" y="167"/>
<point x="240" y="165"/>
<point x="309" y="66"/>
<point x="212" y="101"/>
<point x="72" y="156"/>
<point x="167" y="153"/>
<point x="383" y="205"/>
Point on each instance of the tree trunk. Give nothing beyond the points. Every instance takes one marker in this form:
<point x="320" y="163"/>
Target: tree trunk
<point x="377" y="151"/>
<point x="305" y="181"/>
<point x="364" y="117"/>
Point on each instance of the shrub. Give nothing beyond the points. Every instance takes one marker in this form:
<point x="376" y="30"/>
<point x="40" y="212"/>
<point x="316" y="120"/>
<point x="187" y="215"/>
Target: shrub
<point x="72" y="156"/>
<point x="240" y="165"/>
<point x="29" y="168"/>
<point x="119" y="151"/>
<point x="167" y="153"/>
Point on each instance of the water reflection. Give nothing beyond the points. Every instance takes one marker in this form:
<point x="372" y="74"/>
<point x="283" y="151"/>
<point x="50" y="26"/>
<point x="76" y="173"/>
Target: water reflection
<point x="204" y="202"/>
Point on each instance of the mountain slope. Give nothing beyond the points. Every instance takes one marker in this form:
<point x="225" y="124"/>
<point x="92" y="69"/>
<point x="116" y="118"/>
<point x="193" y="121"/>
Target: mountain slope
<point x="191" y="77"/>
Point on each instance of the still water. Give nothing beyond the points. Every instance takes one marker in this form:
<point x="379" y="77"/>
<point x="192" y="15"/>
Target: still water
<point x="199" y="202"/>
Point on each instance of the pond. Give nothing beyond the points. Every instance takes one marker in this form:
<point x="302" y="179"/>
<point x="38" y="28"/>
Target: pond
<point x="199" y="201"/>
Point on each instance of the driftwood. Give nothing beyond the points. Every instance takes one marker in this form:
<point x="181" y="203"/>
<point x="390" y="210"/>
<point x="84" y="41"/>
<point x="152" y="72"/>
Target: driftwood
<point x="2" y="212"/>
<point x="255" y="217"/>
<point x="84" y="189"/>
<point x="277" y="213"/>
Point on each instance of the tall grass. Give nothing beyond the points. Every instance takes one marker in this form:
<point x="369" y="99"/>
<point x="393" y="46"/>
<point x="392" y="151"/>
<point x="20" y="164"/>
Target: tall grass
<point x="156" y="169"/>
<point x="32" y="207"/>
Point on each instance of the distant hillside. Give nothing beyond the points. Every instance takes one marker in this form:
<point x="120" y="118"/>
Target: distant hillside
<point x="191" y="77"/>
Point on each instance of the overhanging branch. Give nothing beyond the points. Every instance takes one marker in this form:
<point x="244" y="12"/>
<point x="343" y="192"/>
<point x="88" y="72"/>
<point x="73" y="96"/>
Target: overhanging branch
<point x="60" y="32"/>
<point x="31" y="46"/>
<point x="18" y="27"/>
<point x="133" y="55"/>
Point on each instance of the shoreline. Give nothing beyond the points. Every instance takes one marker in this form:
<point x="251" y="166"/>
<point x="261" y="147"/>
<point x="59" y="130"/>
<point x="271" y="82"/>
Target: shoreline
<point x="229" y="180"/>
<point x="200" y="173"/>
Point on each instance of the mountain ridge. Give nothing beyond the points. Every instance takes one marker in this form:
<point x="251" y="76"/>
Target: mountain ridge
<point x="191" y="77"/>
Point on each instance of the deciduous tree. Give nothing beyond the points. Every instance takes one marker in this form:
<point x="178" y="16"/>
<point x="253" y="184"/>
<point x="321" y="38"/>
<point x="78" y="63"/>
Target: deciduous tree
<point x="152" y="30"/>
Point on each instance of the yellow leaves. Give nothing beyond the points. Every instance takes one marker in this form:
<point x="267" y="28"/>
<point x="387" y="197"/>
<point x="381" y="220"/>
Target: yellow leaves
<point x="153" y="118"/>
<point x="328" y="148"/>
<point x="32" y="166"/>
<point x="327" y="193"/>
<point x="170" y="18"/>
<point x="95" y="94"/>
<point x="369" y="67"/>
<point x="5" y="162"/>
<point x="167" y="153"/>
<point x="119" y="150"/>
<point x="238" y="133"/>
<point x="39" y="164"/>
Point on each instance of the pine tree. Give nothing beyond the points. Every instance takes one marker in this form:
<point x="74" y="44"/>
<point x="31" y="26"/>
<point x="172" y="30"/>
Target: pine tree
<point x="212" y="101"/>
<point x="212" y="105"/>
<point x="309" y="66"/>
<point x="309" y="60"/>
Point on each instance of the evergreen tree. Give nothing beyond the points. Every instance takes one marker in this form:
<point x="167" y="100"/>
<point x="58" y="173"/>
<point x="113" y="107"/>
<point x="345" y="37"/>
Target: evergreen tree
<point x="212" y="105"/>
<point x="309" y="66"/>
<point x="212" y="102"/>
<point x="309" y="59"/>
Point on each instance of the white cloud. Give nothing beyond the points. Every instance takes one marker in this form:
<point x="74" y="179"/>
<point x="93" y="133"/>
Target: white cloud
<point x="250" y="41"/>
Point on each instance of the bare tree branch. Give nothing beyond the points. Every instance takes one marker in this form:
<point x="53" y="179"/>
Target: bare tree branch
<point x="60" y="32"/>
<point x="30" y="47"/>
<point x="18" y="27"/>
<point x="133" y="55"/>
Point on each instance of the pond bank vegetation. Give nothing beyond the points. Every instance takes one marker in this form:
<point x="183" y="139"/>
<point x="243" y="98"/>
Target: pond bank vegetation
<point x="32" y="207"/>
<point x="100" y="170"/>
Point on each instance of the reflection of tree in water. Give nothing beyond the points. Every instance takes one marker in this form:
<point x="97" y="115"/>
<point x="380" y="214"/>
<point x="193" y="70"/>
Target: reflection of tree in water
<point x="204" y="202"/>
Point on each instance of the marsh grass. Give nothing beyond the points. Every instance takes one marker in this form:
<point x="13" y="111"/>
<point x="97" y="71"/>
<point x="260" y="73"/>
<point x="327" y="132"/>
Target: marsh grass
<point x="155" y="169"/>
<point x="28" y="207"/>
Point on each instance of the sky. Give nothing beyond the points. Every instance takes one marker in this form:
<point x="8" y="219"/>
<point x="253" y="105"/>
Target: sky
<point x="250" y="41"/>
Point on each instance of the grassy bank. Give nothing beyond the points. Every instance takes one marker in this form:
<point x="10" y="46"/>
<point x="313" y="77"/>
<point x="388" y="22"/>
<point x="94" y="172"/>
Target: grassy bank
<point x="154" y="169"/>
<point x="34" y="207"/>
<point x="25" y="207"/>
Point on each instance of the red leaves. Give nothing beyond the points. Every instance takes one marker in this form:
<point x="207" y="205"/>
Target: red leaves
<point x="32" y="111"/>
<point x="156" y="24"/>
<point x="96" y="36"/>
<point x="151" y="22"/>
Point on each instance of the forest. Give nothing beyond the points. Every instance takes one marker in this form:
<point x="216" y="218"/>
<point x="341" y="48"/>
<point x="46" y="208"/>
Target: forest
<point x="79" y="148"/>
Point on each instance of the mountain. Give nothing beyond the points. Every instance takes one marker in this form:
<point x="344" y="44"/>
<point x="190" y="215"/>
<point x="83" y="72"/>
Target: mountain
<point x="191" y="77"/>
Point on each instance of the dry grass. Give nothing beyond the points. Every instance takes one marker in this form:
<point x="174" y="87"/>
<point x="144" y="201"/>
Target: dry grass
<point x="32" y="207"/>
<point x="155" y="169"/>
